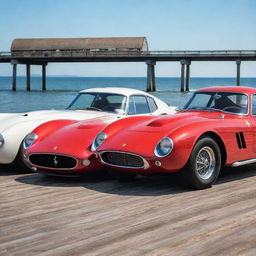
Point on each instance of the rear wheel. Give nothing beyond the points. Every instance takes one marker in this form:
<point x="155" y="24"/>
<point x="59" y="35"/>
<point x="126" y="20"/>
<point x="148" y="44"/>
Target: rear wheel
<point x="203" y="166"/>
<point x="122" y="176"/>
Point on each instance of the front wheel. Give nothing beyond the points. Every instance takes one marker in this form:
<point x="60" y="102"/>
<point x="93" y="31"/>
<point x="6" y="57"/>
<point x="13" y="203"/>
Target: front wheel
<point x="19" y="163"/>
<point x="203" y="166"/>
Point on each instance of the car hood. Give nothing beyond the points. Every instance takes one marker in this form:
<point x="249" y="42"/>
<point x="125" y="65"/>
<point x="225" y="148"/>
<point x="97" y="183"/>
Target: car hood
<point x="171" y="122"/>
<point x="74" y="139"/>
<point x="11" y="120"/>
<point x="167" y="123"/>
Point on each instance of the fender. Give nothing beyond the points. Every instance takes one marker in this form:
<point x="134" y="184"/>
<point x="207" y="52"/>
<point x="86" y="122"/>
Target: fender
<point x="50" y="127"/>
<point x="185" y="141"/>
<point x="10" y="149"/>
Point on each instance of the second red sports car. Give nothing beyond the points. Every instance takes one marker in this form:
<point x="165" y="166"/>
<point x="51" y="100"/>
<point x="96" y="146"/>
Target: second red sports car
<point x="216" y="128"/>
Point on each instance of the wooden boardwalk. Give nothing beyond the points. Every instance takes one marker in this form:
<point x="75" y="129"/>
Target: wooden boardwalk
<point x="150" y="216"/>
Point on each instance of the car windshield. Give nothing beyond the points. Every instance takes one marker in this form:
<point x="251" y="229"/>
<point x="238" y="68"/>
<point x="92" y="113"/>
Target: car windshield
<point x="98" y="101"/>
<point x="232" y="102"/>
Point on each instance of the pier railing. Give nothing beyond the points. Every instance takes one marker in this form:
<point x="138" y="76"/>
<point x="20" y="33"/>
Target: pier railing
<point x="84" y="53"/>
<point x="5" y="54"/>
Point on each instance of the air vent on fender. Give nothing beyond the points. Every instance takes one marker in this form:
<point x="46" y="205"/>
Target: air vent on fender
<point x="240" y="140"/>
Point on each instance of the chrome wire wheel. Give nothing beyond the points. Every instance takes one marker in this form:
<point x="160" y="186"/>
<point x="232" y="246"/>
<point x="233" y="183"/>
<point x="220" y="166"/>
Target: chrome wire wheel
<point x="205" y="163"/>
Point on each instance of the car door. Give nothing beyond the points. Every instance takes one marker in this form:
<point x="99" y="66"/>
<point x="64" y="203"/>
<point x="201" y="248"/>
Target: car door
<point x="244" y="132"/>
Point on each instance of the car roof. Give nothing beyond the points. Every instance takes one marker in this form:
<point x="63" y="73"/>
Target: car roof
<point x="241" y="89"/>
<point x="119" y="90"/>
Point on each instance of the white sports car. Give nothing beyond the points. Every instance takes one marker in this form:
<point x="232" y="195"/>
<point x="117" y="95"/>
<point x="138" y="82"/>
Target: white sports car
<point x="111" y="103"/>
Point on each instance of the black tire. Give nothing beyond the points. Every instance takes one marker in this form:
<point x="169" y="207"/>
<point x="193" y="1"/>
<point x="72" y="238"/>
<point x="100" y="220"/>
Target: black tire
<point x="122" y="176"/>
<point x="204" y="164"/>
<point x="19" y="163"/>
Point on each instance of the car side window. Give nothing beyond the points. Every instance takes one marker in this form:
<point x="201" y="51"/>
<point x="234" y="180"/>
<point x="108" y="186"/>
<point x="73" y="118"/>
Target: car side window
<point x="131" y="108"/>
<point x="138" y="105"/>
<point x="141" y="105"/>
<point x="152" y="104"/>
<point x="254" y="105"/>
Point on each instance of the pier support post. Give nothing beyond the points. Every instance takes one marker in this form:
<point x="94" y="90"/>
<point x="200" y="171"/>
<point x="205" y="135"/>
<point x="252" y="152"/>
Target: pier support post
<point x="182" y="62"/>
<point x="238" y="67"/>
<point x="153" y="76"/>
<point x="151" y="81"/>
<point x="14" y="76"/>
<point x="28" y="76"/>
<point x="188" y="75"/>
<point x="44" y="77"/>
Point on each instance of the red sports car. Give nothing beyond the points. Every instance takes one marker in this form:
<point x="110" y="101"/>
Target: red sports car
<point x="62" y="147"/>
<point x="216" y="128"/>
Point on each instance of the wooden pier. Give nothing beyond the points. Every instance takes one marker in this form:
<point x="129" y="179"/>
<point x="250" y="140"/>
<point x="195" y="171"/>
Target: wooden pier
<point x="149" y="57"/>
<point x="153" y="216"/>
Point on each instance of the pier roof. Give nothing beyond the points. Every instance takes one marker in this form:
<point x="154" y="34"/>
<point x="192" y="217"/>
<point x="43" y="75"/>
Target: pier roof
<point x="31" y="44"/>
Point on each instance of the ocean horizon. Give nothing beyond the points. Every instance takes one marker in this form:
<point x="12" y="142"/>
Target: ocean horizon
<point x="62" y="89"/>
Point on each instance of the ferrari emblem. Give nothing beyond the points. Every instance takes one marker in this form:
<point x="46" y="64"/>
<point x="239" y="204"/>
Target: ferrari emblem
<point x="55" y="161"/>
<point x="247" y="123"/>
<point x="124" y="145"/>
<point x="55" y="148"/>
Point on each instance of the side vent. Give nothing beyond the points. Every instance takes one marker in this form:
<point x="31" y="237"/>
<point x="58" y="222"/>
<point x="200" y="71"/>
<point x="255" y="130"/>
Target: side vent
<point x="240" y="140"/>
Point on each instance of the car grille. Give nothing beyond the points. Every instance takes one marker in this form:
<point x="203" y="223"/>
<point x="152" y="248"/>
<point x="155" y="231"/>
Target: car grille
<point x="122" y="159"/>
<point x="53" y="161"/>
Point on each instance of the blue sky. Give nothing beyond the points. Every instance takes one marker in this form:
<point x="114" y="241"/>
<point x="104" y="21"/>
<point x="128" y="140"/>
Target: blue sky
<point x="167" y="24"/>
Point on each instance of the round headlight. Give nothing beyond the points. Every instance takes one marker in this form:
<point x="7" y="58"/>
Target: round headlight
<point x="164" y="147"/>
<point x="29" y="140"/>
<point x="1" y="140"/>
<point x="99" y="139"/>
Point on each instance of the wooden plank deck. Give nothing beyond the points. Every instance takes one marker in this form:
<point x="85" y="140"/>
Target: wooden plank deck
<point x="150" y="216"/>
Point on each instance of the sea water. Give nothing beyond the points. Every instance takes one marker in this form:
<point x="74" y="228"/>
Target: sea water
<point x="61" y="90"/>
